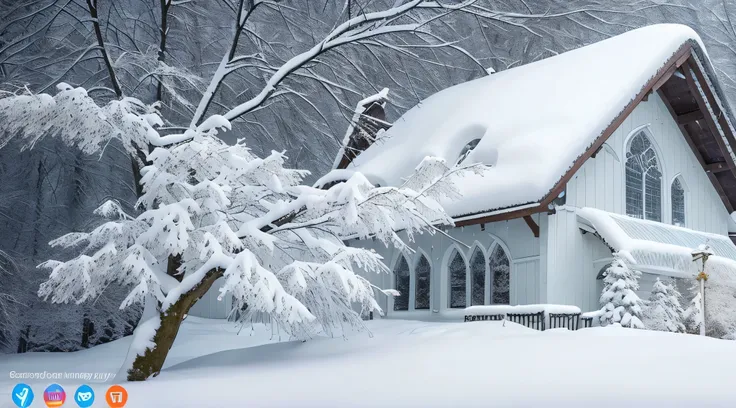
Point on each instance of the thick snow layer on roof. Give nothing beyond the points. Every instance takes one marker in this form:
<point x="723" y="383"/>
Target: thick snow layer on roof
<point x="533" y="121"/>
<point x="658" y="248"/>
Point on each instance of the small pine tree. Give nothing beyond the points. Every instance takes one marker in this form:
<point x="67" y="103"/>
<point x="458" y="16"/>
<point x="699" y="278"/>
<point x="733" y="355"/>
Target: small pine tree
<point x="619" y="301"/>
<point x="693" y="315"/>
<point x="664" y="312"/>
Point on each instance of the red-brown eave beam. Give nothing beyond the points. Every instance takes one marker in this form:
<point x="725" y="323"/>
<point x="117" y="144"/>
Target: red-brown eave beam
<point x="654" y="83"/>
<point x="505" y="216"/>
<point x="532" y="225"/>
<point x="688" y="138"/>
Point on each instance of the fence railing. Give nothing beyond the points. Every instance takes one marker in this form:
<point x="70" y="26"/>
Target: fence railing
<point x="531" y="320"/>
<point x="538" y="317"/>
<point x="570" y="321"/>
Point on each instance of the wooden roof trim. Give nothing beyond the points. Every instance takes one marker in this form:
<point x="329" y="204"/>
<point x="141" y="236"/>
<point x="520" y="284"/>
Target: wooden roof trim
<point x="711" y="176"/>
<point x="504" y="216"/>
<point x="722" y="120"/>
<point x="708" y="117"/>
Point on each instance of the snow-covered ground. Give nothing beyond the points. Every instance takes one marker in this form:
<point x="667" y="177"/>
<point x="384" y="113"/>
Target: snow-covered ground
<point x="421" y="364"/>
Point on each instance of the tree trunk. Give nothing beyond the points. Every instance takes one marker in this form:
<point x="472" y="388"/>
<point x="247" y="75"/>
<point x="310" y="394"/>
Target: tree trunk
<point x="150" y="363"/>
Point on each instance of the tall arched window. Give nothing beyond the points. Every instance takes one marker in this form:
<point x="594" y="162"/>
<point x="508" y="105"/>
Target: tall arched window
<point x="457" y="280"/>
<point x="477" y="278"/>
<point x="678" y="203"/>
<point x="500" y="271"/>
<point x="422" y="273"/>
<point x="643" y="180"/>
<point x="401" y="277"/>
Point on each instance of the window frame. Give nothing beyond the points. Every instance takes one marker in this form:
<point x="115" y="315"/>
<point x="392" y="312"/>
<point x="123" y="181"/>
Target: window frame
<point x="647" y="134"/>
<point x="492" y="281"/>
<point x="680" y="180"/>
<point x="452" y="251"/>
<point x="394" y="278"/>
<point x="477" y="247"/>
<point x="413" y="299"/>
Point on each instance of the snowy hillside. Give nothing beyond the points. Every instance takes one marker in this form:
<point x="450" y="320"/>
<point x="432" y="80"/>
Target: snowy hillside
<point x="419" y="364"/>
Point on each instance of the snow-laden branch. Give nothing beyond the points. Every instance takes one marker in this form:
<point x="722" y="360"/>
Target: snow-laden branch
<point x="221" y="211"/>
<point x="353" y="30"/>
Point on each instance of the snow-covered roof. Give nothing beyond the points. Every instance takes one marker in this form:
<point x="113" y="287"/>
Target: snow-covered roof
<point x="533" y="121"/>
<point x="656" y="247"/>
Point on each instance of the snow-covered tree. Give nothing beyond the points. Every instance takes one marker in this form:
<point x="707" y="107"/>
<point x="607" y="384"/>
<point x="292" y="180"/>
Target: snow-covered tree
<point x="212" y="210"/>
<point x="619" y="301"/>
<point x="693" y="315"/>
<point x="664" y="312"/>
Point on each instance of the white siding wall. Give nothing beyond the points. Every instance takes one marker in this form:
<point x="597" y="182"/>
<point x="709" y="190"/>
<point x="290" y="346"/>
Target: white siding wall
<point x="571" y="263"/>
<point x="525" y="284"/>
<point x="209" y="306"/>
<point x="522" y="247"/>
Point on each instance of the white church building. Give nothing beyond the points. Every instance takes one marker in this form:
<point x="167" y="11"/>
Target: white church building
<point x="622" y="145"/>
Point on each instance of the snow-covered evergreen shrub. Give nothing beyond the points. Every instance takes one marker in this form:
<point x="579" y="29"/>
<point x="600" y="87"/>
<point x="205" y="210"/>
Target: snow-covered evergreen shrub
<point x="720" y="299"/>
<point x="664" y="312"/>
<point x="619" y="301"/>
<point x="692" y="316"/>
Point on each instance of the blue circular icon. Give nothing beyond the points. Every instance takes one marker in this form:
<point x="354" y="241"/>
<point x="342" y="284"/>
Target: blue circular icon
<point x="22" y="395"/>
<point x="85" y="396"/>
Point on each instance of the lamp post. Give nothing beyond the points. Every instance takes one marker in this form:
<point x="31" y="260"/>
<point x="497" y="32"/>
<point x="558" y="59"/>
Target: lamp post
<point x="702" y="253"/>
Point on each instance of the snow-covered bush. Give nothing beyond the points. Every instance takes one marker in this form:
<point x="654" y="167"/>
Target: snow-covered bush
<point x="693" y="317"/>
<point x="619" y="301"/>
<point x="720" y="299"/>
<point x="664" y="312"/>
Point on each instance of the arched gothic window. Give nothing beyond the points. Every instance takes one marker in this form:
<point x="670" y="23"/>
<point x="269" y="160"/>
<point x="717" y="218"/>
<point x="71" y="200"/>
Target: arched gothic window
<point x="678" y="203"/>
<point x="457" y="277"/>
<point x="500" y="271"/>
<point x="477" y="278"/>
<point x="401" y="283"/>
<point x="643" y="180"/>
<point x="422" y="275"/>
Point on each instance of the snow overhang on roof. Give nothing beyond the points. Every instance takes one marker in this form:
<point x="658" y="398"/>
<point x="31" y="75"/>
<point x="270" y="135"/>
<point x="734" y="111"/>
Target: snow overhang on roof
<point x="655" y="247"/>
<point x="539" y="122"/>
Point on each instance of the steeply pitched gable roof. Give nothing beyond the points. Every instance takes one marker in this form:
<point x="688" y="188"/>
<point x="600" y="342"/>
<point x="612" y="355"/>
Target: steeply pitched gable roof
<point x="538" y="123"/>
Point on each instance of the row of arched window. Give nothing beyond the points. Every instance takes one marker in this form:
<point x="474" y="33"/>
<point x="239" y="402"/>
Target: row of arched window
<point x="644" y="184"/>
<point x="484" y="280"/>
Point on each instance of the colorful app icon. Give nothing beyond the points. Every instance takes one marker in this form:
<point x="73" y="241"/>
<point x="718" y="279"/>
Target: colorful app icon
<point x="116" y="396"/>
<point x="22" y="395"/>
<point x="54" y="396"/>
<point x="85" y="396"/>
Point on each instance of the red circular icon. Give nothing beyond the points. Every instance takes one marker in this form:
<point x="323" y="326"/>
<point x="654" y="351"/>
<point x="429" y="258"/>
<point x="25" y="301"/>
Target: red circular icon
<point x="116" y="396"/>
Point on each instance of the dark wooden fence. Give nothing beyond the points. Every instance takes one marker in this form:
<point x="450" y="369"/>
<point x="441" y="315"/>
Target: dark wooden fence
<point x="530" y="320"/>
<point x="570" y="321"/>
<point x="537" y="321"/>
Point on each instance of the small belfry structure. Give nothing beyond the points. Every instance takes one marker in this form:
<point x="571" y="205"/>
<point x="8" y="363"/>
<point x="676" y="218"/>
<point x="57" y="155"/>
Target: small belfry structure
<point x="702" y="253"/>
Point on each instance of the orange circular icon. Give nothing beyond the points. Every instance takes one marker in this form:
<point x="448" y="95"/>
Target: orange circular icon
<point x="116" y="396"/>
